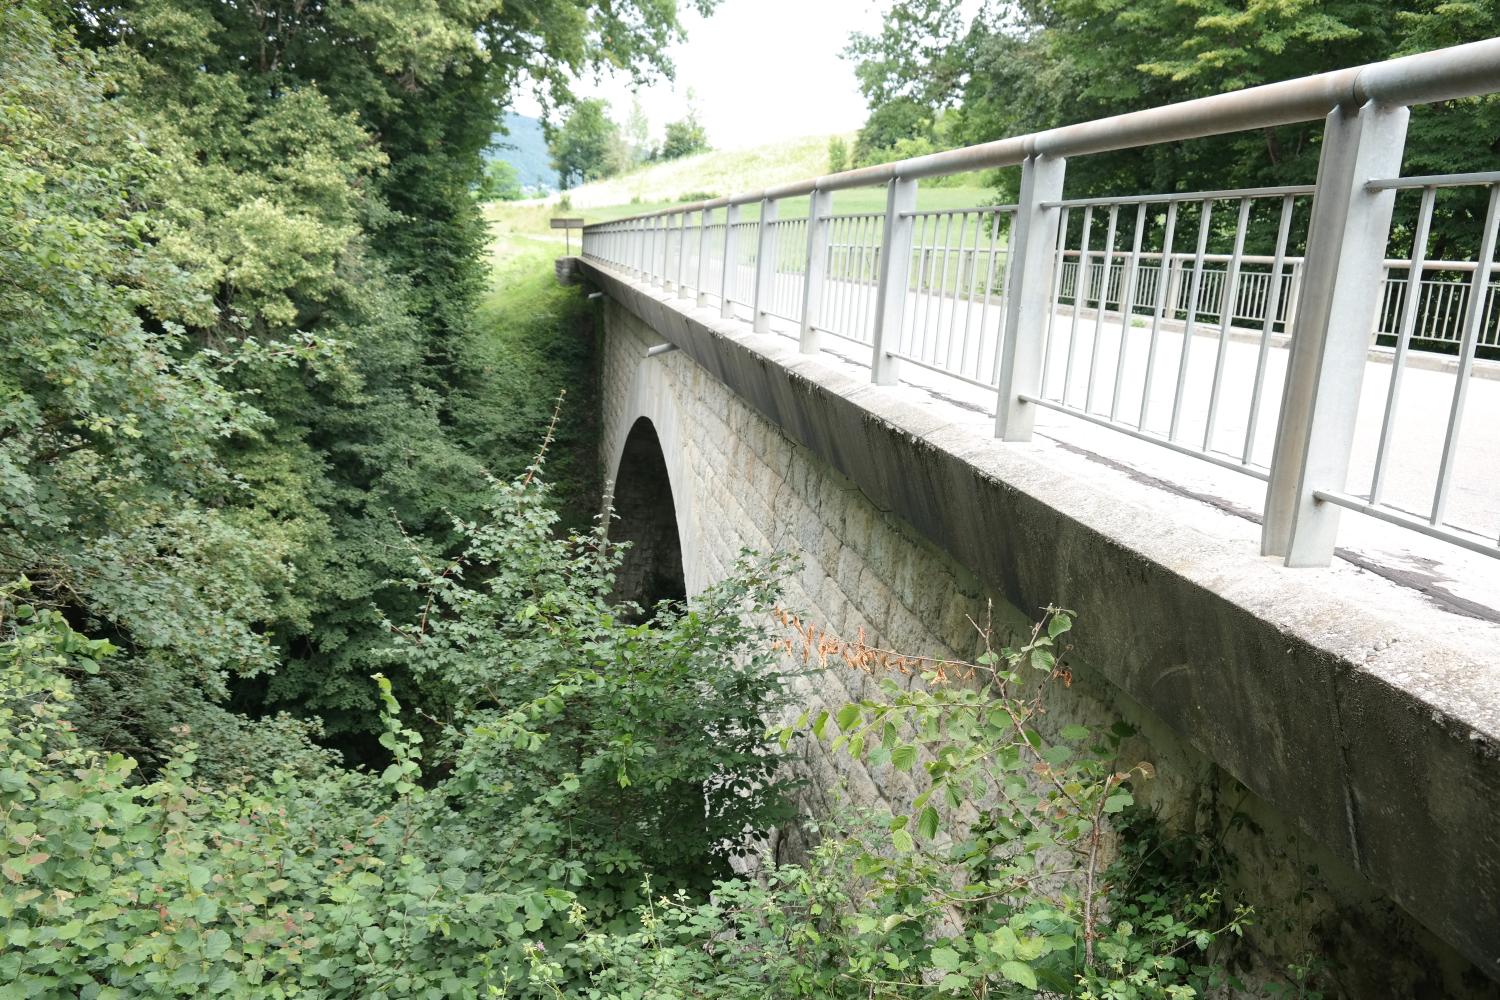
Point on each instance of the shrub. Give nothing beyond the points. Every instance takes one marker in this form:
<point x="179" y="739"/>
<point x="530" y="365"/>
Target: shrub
<point x="580" y="754"/>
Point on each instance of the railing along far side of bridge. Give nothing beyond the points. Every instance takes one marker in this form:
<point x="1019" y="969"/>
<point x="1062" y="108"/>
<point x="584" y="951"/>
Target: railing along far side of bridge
<point x="1091" y="306"/>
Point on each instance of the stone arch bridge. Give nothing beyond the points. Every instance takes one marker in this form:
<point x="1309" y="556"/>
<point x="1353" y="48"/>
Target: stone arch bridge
<point x="1350" y="710"/>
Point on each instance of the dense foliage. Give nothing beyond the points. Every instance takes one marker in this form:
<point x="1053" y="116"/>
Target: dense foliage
<point x="589" y="145"/>
<point x="241" y="260"/>
<point x="579" y="755"/>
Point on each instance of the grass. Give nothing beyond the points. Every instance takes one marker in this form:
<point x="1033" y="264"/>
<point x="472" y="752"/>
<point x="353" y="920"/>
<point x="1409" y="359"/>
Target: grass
<point x="716" y="172"/>
<point x="536" y="338"/>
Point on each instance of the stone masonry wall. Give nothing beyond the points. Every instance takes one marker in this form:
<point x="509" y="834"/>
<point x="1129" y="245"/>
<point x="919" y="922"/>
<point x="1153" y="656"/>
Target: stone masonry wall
<point x="738" y="482"/>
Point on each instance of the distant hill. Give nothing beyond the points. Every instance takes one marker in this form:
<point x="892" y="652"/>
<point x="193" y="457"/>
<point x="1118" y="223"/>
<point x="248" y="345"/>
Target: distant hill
<point x="525" y="148"/>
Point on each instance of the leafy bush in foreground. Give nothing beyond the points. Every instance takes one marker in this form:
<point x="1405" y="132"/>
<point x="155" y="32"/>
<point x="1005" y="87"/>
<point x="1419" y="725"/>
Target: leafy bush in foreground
<point x="578" y="758"/>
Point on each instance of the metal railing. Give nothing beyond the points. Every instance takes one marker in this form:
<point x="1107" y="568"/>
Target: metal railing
<point x="1232" y="326"/>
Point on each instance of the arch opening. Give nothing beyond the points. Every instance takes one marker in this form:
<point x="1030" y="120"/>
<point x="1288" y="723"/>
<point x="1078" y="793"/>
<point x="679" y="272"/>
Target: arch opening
<point x="651" y="569"/>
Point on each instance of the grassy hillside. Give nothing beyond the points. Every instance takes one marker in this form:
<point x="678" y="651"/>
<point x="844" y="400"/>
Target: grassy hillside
<point x="717" y="172"/>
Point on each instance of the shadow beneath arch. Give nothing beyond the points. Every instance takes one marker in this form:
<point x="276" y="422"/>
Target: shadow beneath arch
<point x="645" y="516"/>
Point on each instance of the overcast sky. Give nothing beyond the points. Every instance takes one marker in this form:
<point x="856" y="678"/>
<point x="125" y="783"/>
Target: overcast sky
<point x="760" y="71"/>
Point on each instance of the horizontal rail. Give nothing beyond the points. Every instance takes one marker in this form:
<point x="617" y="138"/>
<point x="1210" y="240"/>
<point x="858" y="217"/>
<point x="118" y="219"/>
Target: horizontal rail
<point x="1156" y="439"/>
<point x="1434" y="181"/>
<point x="976" y="210"/>
<point x="1171" y="196"/>
<point x="1391" y="515"/>
<point x="1441" y="75"/>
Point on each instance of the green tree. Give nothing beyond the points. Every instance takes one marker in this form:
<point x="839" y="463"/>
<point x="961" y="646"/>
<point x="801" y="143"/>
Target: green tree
<point x="838" y="154"/>
<point x="115" y="496"/>
<point x="309" y="172"/>
<point x="636" y="136"/>
<point x="604" y="754"/>
<point x="583" y="146"/>
<point x="898" y="120"/>
<point x="684" y="138"/>
<point x="500" y="182"/>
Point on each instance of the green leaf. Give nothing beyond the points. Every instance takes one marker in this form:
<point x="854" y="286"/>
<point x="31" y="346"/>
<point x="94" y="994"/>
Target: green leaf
<point x="1019" y="974"/>
<point x="847" y="717"/>
<point x="927" y="822"/>
<point x="946" y="959"/>
<point x="819" y="723"/>
<point x="1059" y="624"/>
<point x="1075" y="733"/>
<point x="903" y="757"/>
<point x="215" y="944"/>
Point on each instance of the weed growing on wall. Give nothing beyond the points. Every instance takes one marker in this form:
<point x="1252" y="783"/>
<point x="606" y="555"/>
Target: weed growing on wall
<point x="1000" y="879"/>
<point x="1025" y="869"/>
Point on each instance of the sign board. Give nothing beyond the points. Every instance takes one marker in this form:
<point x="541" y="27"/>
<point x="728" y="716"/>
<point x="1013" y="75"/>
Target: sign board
<point x="567" y="223"/>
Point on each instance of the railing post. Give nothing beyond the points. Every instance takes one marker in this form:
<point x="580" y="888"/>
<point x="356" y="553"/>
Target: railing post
<point x="703" y="258"/>
<point x="895" y="272"/>
<point x="1330" y="340"/>
<point x="819" y="208"/>
<point x="682" y="228"/>
<point x="1293" y="294"/>
<point x="731" y="263"/>
<point x="765" y="267"/>
<point x="647" y="240"/>
<point x="665" y="228"/>
<point x="1027" y="300"/>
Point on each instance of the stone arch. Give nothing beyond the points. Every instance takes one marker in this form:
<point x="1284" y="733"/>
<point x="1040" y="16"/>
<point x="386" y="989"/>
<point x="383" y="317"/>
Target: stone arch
<point x="646" y="516"/>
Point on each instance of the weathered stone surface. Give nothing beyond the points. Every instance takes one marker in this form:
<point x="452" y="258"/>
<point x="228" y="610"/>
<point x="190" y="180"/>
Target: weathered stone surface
<point x="1367" y="747"/>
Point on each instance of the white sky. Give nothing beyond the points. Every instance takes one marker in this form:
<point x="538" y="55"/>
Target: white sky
<point x="760" y="71"/>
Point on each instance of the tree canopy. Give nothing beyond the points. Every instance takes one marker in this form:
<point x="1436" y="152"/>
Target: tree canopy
<point x="584" y="146"/>
<point x="241" y="255"/>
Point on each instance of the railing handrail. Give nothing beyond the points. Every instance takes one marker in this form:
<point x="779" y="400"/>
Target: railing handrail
<point x="1439" y="75"/>
<point x="911" y="296"/>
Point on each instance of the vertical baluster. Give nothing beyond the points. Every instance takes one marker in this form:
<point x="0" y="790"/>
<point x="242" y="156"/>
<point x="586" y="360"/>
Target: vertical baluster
<point x="922" y="306"/>
<point x="1127" y="309"/>
<point x="703" y="257"/>
<point x="682" y="257"/>
<point x="1054" y="301"/>
<point x="1226" y="320"/>
<point x="1404" y="327"/>
<point x="1109" y="254"/>
<point x="1473" y="321"/>
<point x="1195" y="290"/>
<point x="846" y="283"/>
<point x="869" y="256"/>
<point x="1080" y="295"/>
<point x="1273" y="306"/>
<point x="731" y="261"/>
<point x="991" y="261"/>
<point x="1163" y="291"/>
